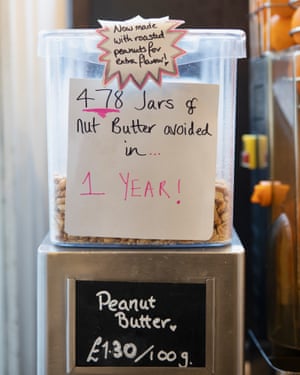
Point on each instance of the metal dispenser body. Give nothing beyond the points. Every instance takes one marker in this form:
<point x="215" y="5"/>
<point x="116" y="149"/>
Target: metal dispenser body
<point x="142" y="272"/>
<point x="219" y="272"/>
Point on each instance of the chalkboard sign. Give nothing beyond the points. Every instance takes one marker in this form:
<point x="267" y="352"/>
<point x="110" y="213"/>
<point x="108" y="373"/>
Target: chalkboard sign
<point x="140" y="324"/>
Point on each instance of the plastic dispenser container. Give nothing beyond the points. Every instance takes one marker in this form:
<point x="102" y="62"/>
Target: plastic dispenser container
<point x="210" y="58"/>
<point x="141" y="178"/>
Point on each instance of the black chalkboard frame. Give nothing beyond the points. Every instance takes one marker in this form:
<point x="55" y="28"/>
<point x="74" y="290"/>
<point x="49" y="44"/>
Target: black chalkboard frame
<point x="72" y="368"/>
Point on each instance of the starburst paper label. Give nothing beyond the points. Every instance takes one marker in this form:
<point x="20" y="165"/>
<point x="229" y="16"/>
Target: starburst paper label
<point x="140" y="49"/>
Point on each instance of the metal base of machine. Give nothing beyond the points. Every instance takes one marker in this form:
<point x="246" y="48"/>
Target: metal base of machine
<point x="263" y="362"/>
<point x="62" y="271"/>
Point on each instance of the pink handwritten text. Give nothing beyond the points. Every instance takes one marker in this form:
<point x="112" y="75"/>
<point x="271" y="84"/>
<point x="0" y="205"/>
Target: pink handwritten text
<point x="102" y="112"/>
<point x="135" y="188"/>
<point x="88" y="181"/>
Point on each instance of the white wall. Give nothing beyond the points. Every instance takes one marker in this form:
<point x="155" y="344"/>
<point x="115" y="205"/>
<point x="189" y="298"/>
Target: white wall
<point x="23" y="174"/>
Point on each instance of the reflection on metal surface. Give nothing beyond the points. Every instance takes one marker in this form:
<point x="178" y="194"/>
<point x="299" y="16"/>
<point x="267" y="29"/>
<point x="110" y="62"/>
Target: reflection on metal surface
<point x="262" y="363"/>
<point x="282" y="284"/>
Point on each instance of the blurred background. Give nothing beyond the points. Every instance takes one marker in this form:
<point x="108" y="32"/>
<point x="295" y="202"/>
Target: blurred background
<point x="23" y="149"/>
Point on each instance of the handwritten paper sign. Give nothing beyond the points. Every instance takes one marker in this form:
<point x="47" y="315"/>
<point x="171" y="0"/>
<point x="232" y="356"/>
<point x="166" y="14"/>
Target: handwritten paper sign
<point x="138" y="49"/>
<point x="140" y="324"/>
<point x="142" y="163"/>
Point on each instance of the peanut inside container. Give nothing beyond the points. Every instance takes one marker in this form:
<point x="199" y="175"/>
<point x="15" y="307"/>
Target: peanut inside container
<point x="141" y="165"/>
<point x="221" y="228"/>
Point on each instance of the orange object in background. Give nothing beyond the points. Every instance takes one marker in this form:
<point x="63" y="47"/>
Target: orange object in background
<point x="279" y="7"/>
<point x="262" y="194"/>
<point x="269" y="192"/>
<point x="270" y="22"/>
<point x="278" y="34"/>
<point x="295" y="26"/>
<point x="297" y="72"/>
